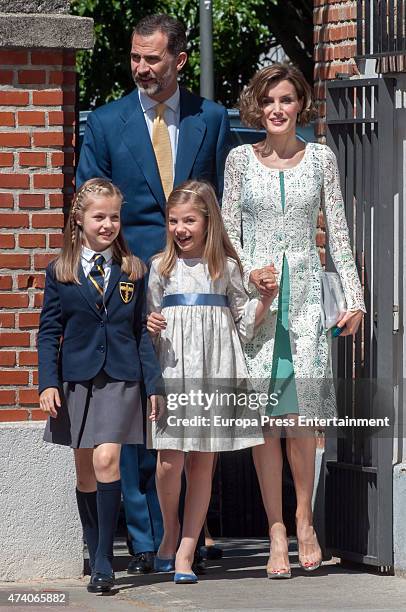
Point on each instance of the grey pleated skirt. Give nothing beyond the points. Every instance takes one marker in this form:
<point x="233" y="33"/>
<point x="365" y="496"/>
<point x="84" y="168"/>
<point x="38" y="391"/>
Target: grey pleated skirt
<point x="97" y="411"/>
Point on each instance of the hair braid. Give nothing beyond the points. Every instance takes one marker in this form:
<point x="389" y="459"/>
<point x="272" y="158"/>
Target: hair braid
<point x="79" y="201"/>
<point x="68" y="262"/>
<point x="72" y="229"/>
<point x="75" y="208"/>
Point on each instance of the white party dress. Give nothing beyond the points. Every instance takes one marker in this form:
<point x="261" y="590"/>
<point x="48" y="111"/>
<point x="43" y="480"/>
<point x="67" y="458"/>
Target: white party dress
<point x="201" y="349"/>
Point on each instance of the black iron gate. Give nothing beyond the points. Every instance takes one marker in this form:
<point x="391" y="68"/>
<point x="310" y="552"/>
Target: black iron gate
<point x="360" y="122"/>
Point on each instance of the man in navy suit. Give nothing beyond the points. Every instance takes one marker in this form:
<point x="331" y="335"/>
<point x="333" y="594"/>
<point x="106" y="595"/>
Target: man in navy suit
<point x="118" y="144"/>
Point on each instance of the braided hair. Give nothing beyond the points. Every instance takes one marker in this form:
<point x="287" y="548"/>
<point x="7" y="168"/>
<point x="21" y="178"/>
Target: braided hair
<point x="95" y="187"/>
<point x="67" y="264"/>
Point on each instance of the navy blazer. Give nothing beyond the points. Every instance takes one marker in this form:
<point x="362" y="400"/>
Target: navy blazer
<point x="117" y="145"/>
<point x="114" y="339"/>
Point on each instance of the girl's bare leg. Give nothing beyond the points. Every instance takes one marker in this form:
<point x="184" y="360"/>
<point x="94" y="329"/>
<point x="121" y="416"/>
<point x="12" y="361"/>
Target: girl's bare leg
<point x="106" y="461"/>
<point x="86" y="498"/>
<point x="199" y="470"/>
<point x="85" y="476"/>
<point x="168" y="483"/>
<point x="208" y="540"/>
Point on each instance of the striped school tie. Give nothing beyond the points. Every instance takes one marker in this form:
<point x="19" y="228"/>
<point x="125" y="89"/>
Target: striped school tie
<point x="96" y="280"/>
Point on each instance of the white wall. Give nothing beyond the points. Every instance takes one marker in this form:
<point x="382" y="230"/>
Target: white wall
<point x="41" y="536"/>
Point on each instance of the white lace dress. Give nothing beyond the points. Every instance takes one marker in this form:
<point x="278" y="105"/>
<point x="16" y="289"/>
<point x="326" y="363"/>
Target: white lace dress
<point x="201" y="349"/>
<point x="267" y="223"/>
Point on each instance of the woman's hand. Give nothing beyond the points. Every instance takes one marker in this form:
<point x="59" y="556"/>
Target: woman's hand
<point x="156" y="323"/>
<point x="157" y="407"/>
<point x="350" y="322"/>
<point x="264" y="280"/>
<point x="49" y="401"/>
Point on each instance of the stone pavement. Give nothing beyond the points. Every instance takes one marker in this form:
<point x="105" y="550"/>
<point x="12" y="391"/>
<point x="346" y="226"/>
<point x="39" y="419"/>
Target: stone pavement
<point x="237" y="582"/>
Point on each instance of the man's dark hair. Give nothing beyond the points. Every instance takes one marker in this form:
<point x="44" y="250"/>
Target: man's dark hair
<point x="174" y="30"/>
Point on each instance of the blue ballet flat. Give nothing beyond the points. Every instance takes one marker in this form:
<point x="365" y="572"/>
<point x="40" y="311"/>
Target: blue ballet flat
<point x="164" y="565"/>
<point x="180" y="578"/>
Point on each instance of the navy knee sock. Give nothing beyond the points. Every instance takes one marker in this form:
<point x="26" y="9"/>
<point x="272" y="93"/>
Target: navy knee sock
<point x="108" y="506"/>
<point x="87" y="507"/>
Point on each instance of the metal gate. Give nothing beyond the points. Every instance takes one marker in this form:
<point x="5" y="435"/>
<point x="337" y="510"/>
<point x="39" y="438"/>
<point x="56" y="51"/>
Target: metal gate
<point x="360" y="122"/>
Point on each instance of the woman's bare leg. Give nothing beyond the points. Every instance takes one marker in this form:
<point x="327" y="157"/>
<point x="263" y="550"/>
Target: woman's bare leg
<point x="301" y="452"/>
<point x="268" y="463"/>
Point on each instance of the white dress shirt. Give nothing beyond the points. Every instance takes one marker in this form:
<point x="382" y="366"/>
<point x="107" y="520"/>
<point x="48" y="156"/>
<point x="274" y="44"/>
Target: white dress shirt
<point x="87" y="262"/>
<point x="172" y="117"/>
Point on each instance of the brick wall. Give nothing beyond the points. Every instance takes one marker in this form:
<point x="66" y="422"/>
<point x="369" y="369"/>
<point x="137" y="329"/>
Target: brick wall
<point x="335" y="32"/>
<point x="37" y="97"/>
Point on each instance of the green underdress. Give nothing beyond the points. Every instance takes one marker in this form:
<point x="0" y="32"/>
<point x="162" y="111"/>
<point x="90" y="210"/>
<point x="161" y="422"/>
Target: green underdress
<point x="282" y="375"/>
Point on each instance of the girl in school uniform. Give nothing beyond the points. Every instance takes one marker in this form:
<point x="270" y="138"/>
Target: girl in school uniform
<point x="94" y="350"/>
<point x="198" y="313"/>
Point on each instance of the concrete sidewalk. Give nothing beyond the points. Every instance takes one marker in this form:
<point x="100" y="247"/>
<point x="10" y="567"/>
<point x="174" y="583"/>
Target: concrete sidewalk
<point x="236" y="582"/>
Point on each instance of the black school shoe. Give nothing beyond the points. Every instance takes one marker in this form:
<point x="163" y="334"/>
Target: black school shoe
<point x="130" y="546"/>
<point x="141" y="563"/>
<point x="100" y="583"/>
<point x="199" y="565"/>
<point x="211" y="552"/>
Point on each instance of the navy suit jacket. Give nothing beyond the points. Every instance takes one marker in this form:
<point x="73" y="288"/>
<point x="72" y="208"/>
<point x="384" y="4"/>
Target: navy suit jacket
<point x="117" y="145"/>
<point x="114" y="339"/>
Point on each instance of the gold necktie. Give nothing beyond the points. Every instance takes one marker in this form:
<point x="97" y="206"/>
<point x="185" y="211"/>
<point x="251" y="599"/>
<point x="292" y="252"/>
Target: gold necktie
<point x="162" y="148"/>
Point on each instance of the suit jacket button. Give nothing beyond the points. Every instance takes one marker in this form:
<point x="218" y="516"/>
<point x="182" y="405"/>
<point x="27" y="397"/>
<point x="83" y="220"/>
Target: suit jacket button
<point x="101" y="348"/>
<point x="101" y="323"/>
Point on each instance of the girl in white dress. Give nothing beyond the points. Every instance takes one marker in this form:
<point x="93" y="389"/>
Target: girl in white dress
<point x="199" y="312"/>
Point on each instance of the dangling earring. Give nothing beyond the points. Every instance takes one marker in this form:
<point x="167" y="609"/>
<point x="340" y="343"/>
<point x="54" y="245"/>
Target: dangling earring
<point x="299" y="115"/>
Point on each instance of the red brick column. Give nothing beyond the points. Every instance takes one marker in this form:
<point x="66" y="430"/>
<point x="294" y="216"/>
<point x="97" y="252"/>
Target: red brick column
<point x="335" y="32"/>
<point x="37" y="114"/>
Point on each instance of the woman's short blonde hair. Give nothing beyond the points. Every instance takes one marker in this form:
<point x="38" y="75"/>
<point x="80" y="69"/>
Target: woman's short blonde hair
<point x="251" y="98"/>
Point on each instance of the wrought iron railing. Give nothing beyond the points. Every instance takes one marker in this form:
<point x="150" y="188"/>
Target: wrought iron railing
<point x="361" y="132"/>
<point x="381" y="28"/>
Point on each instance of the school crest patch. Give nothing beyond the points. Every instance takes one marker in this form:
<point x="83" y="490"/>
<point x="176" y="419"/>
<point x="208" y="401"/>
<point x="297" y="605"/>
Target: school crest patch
<point x="126" y="292"/>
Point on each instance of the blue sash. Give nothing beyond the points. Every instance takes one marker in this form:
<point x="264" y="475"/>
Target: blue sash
<point x="194" y="299"/>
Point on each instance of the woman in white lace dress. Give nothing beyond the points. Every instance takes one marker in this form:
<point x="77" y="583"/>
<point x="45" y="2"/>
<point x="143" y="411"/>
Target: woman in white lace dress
<point x="272" y="196"/>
